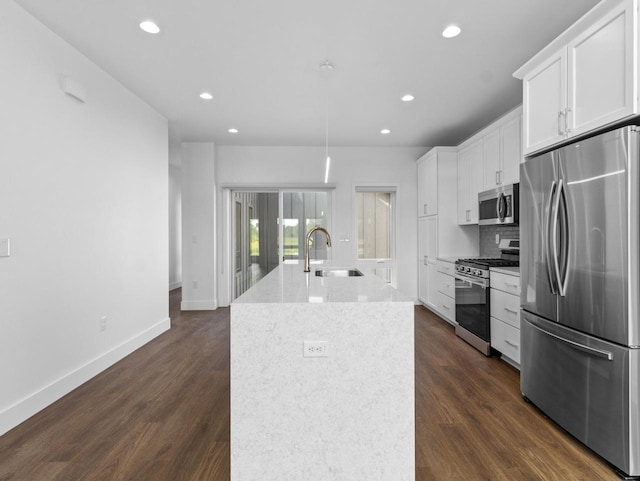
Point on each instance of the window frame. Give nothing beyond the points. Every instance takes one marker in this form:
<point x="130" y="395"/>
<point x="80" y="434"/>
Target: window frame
<point x="377" y="263"/>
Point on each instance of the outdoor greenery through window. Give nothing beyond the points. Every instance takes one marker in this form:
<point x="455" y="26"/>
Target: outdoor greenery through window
<point x="301" y="212"/>
<point x="375" y="227"/>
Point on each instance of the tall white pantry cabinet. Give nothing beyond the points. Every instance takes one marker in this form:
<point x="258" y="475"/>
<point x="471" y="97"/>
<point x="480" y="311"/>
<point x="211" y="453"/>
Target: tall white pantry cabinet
<point x="439" y="234"/>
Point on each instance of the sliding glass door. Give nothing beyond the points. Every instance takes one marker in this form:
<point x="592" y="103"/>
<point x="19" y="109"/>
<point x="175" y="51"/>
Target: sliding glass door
<point x="260" y="240"/>
<point x="301" y="211"/>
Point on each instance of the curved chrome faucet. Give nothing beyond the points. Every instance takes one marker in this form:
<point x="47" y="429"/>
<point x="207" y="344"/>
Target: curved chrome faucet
<point x="308" y="241"/>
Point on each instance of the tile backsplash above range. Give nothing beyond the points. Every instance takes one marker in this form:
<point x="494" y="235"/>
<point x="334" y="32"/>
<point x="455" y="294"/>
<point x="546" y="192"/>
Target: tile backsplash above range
<point x="488" y="244"/>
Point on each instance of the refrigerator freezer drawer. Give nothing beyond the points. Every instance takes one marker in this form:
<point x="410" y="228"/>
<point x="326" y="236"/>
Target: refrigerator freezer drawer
<point x="586" y="385"/>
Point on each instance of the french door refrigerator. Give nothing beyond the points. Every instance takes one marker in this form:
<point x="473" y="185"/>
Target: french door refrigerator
<point x="580" y="359"/>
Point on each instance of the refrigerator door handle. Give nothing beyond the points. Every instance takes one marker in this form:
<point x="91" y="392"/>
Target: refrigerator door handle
<point x="576" y="345"/>
<point x="563" y="271"/>
<point x="554" y="236"/>
<point x="546" y="245"/>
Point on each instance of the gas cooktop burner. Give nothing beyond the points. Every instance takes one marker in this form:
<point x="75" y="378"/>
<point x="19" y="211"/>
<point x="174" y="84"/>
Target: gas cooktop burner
<point x="490" y="262"/>
<point x="479" y="266"/>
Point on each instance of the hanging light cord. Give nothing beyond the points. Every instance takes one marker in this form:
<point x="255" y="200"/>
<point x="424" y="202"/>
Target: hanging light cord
<point x="326" y="120"/>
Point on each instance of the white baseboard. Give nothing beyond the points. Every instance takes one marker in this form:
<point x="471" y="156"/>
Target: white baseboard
<point x="175" y="285"/>
<point x="27" y="407"/>
<point x="211" y="305"/>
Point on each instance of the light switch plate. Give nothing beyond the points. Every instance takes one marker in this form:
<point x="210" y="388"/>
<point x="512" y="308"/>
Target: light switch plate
<point x="5" y="247"/>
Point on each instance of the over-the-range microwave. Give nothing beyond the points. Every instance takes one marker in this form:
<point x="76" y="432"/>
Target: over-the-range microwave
<point x="499" y="206"/>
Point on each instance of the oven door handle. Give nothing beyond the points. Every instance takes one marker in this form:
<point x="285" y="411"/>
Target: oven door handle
<point x="471" y="280"/>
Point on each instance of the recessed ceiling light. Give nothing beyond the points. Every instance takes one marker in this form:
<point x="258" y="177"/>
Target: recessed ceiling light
<point x="206" y="96"/>
<point x="385" y="131"/>
<point x="407" y="98"/>
<point x="451" y="31"/>
<point x="233" y="131"/>
<point x="149" y="27"/>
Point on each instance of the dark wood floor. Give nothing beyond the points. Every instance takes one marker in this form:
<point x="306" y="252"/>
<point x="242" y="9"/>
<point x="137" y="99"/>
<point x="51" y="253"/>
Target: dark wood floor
<point x="163" y="414"/>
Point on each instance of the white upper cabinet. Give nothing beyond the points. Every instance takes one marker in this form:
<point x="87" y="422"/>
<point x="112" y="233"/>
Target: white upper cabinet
<point x="464" y="186"/>
<point x="503" y="151"/>
<point x="587" y="82"/>
<point x="511" y="150"/>
<point x="470" y="182"/>
<point x="601" y="72"/>
<point x="544" y="99"/>
<point x="491" y="160"/>
<point x="428" y="184"/>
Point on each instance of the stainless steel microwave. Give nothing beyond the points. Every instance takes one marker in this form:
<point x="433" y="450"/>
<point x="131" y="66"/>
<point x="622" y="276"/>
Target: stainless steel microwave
<point x="499" y="206"/>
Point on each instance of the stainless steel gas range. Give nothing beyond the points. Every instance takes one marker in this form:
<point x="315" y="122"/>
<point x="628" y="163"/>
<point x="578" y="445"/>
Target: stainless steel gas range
<point x="473" y="308"/>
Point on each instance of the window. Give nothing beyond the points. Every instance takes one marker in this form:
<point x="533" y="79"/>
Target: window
<point x="375" y="230"/>
<point x="375" y="224"/>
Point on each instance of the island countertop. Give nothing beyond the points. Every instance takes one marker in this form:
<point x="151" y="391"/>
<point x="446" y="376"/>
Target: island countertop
<point x="322" y="379"/>
<point x="289" y="284"/>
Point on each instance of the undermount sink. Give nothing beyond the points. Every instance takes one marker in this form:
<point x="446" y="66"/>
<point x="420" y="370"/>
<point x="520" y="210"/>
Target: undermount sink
<point x="338" y="273"/>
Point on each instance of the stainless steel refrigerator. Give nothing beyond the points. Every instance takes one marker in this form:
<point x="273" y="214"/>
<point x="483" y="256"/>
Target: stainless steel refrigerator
<point x="580" y="359"/>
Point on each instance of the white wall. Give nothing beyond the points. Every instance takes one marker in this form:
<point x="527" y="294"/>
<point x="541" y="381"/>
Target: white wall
<point x="175" y="216"/>
<point x="83" y="197"/>
<point x="198" y="221"/>
<point x="258" y="166"/>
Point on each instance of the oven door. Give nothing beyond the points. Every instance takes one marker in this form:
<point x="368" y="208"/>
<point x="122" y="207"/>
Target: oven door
<point x="472" y="305"/>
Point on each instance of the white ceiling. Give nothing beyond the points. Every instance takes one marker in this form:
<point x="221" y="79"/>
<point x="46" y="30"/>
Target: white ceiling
<point x="260" y="60"/>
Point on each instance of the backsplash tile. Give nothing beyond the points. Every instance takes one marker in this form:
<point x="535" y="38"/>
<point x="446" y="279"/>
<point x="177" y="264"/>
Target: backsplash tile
<point x="488" y="246"/>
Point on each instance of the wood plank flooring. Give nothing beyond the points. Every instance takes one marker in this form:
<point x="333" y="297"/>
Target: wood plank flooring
<point x="162" y="414"/>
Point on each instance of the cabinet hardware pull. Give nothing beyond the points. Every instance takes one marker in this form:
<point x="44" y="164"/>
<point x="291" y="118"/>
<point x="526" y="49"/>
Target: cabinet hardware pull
<point x="497" y="177"/>
<point x="510" y="310"/>
<point x="515" y="286"/>
<point x="446" y="307"/>
<point x="560" y="131"/>
<point x="512" y="344"/>
<point x="425" y="260"/>
<point x="567" y="130"/>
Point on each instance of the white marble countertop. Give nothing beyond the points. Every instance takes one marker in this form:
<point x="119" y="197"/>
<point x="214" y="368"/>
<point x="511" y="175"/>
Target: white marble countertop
<point x="511" y="271"/>
<point x="451" y="260"/>
<point x="288" y="283"/>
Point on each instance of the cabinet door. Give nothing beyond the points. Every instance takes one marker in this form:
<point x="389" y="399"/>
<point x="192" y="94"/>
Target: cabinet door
<point x="476" y="184"/>
<point x="422" y="188"/>
<point x="511" y="151"/>
<point x="491" y="160"/>
<point x="423" y="279"/>
<point x="601" y="72"/>
<point x="544" y="100"/>
<point x="505" y="339"/>
<point x="432" y="239"/>
<point x="464" y="186"/>
<point x="427" y="266"/>
<point x="447" y="307"/>
<point x="432" y="185"/>
<point x="433" y="295"/>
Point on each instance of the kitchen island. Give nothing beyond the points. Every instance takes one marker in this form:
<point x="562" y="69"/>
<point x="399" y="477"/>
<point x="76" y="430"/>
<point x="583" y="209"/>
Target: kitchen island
<point x="347" y="413"/>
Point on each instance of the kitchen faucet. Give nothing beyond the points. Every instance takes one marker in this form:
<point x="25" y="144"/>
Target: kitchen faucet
<point x="308" y="241"/>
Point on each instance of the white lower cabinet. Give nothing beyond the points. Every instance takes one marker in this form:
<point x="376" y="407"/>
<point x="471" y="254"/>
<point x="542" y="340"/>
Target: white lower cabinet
<point x="446" y="298"/>
<point x="505" y="315"/>
<point x="506" y="339"/>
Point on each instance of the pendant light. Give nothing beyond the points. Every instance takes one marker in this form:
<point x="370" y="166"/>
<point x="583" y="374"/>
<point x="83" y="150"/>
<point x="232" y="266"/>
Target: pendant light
<point x="326" y="67"/>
